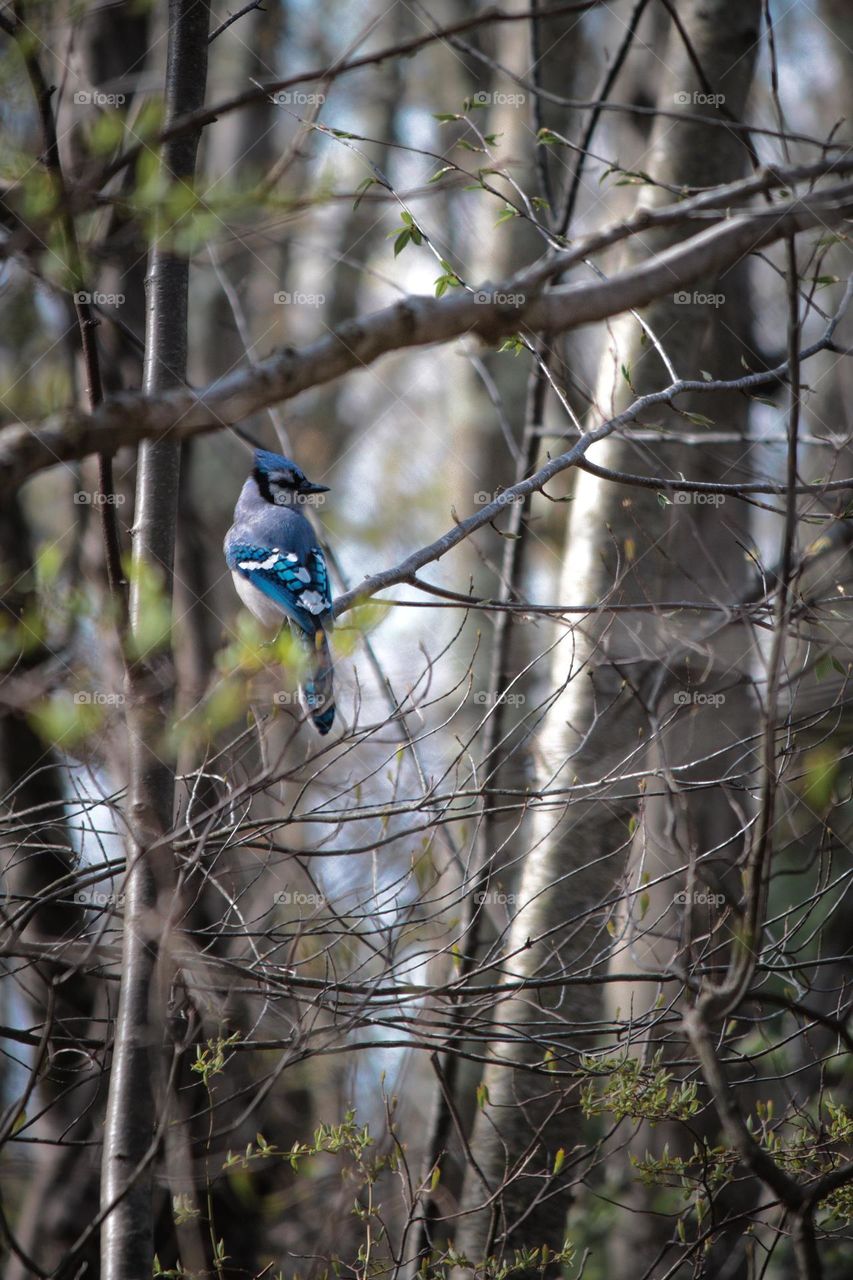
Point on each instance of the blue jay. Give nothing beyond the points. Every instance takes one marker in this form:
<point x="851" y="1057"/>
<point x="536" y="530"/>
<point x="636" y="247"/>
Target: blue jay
<point x="280" y="572"/>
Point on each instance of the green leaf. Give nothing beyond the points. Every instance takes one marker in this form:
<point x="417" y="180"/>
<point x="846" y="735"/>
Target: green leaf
<point x="65" y="722"/>
<point x="513" y="344"/>
<point x="107" y="133"/>
<point x="823" y="666"/>
<point x="821" y="772"/>
<point x="153" y="627"/>
<point x="361" y="190"/>
<point x="827" y="663"/>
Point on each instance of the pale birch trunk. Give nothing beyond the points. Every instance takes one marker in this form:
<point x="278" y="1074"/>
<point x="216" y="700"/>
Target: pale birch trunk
<point x="621" y="546"/>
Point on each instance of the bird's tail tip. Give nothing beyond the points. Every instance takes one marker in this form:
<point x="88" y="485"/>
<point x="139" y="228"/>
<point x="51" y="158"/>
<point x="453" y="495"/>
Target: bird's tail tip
<point x="323" y="720"/>
<point x="317" y="690"/>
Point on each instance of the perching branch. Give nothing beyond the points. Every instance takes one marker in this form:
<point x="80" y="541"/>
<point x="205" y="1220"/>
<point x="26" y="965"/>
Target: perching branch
<point x="575" y="456"/>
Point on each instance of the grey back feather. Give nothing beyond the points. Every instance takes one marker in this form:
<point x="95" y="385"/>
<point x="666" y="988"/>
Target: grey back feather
<point x="264" y="525"/>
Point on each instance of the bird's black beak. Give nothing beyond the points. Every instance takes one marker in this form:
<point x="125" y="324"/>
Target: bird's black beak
<point x="307" y="487"/>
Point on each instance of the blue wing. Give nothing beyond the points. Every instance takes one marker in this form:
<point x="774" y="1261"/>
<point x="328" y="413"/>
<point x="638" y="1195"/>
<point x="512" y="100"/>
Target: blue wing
<point x="300" y="588"/>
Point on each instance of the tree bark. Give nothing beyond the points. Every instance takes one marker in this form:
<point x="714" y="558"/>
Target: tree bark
<point x="621" y="549"/>
<point x="127" y="1235"/>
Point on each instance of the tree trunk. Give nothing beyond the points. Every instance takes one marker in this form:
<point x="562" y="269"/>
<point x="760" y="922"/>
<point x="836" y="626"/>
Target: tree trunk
<point x="621" y="546"/>
<point x="127" y="1238"/>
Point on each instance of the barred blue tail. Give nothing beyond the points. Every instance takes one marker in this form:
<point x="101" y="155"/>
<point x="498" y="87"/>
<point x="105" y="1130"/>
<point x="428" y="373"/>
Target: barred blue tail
<point x="318" y="686"/>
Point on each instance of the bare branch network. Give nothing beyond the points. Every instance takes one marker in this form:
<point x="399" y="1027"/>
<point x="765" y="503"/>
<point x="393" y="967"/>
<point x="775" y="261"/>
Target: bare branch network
<point x="534" y="962"/>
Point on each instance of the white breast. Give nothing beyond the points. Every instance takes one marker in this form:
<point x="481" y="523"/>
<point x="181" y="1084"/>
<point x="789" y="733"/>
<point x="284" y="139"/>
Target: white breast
<point x="256" y="602"/>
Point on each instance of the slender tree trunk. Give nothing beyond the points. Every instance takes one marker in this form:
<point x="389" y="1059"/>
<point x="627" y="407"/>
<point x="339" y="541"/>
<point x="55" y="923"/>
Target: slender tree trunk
<point x="127" y="1234"/>
<point x="556" y="55"/>
<point x="621" y="546"/>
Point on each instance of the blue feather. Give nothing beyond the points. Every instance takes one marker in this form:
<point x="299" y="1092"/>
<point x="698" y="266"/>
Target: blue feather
<point x="299" y="587"/>
<point x="280" y="573"/>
